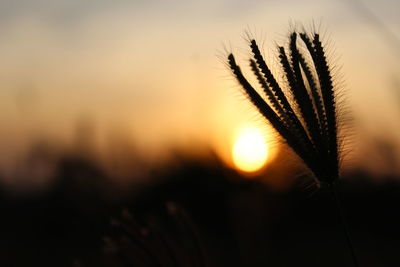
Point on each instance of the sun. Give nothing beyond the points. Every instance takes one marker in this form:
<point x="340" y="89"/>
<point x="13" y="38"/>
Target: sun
<point x="250" y="150"/>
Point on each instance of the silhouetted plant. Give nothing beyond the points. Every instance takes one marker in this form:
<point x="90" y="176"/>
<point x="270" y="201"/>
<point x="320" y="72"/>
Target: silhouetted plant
<point x="309" y="124"/>
<point x="154" y="244"/>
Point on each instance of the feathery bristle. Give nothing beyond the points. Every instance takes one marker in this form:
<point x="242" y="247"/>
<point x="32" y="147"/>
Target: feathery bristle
<point x="270" y="95"/>
<point x="328" y="96"/>
<point x="316" y="97"/>
<point x="309" y="129"/>
<point x="294" y="123"/>
<point x="292" y="140"/>
<point x="280" y="96"/>
<point x="301" y="95"/>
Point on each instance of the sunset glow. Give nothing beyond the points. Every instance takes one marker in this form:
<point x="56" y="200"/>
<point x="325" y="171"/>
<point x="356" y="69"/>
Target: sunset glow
<point x="250" y="150"/>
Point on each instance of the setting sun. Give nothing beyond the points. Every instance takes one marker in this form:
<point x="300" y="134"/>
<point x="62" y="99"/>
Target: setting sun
<point x="250" y="150"/>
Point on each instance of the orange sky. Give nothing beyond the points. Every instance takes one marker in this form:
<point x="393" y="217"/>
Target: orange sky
<point x="152" y="70"/>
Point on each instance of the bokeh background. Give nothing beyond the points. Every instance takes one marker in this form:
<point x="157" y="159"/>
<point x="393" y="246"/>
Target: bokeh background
<point x="95" y="74"/>
<point x="111" y="104"/>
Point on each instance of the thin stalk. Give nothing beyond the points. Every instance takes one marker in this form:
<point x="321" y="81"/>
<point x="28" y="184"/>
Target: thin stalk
<point x="344" y="224"/>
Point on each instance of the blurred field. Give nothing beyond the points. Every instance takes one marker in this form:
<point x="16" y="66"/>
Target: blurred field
<point x="241" y="222"/>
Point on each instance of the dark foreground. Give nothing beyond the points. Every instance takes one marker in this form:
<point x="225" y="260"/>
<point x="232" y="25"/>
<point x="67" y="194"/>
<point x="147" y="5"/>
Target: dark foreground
<point x="230" y="222"/>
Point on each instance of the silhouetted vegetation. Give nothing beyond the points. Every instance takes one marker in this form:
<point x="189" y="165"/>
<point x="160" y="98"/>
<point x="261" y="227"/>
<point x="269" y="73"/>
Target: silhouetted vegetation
<point x="238" y="222"/>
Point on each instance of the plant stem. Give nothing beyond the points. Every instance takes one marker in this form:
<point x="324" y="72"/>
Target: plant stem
<point x="344" y="225"/>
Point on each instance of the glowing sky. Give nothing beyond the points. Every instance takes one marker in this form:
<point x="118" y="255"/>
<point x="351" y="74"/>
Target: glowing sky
<point x="152" y="69"/>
